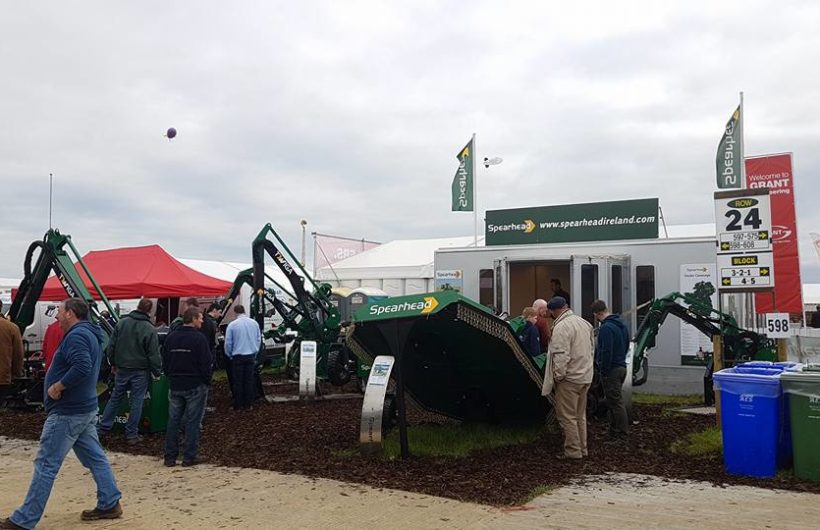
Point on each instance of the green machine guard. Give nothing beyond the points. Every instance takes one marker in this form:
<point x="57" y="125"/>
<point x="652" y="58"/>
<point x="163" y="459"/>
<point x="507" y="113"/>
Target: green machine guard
<point x="456" y="358"/>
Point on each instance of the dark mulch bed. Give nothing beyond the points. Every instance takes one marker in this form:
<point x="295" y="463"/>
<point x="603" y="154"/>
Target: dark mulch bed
<point x="321" y="438"/>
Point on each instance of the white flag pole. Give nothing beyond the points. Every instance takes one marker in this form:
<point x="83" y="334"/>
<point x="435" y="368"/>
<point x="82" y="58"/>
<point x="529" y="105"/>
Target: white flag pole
<point x="475" y="195"/>
<point x="742" y="144"/>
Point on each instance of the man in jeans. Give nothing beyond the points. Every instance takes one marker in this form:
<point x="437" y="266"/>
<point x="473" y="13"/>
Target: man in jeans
<point x="134" y="355"/>
<point x="242" y="341"/>
<point x="187" y="362"/>
<point x="71" y="408"/>
<point x="613" y="344"/>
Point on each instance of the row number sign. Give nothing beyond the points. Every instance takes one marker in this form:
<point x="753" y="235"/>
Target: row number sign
<point x="777" y="325"/>
<point x="744" y="243"/>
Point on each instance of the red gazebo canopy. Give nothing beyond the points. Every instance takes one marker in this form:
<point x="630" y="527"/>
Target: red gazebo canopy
<point x="135" y="272"/>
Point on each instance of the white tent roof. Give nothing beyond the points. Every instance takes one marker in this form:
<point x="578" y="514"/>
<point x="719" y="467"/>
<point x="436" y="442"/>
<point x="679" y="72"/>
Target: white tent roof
<point x="677" y="231"/>
<point x="227" y="270"/>
<point x="407" y="258"/>
<point x="811" y="293"/>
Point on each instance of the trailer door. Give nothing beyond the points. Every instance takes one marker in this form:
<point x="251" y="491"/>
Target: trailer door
<point x="589" y="280"/>
<point x="500" y="285"/>
<point x="619" y="292"/>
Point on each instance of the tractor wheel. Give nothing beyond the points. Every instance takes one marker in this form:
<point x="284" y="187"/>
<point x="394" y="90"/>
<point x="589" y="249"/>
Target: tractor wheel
<point x="337" y="372"/>
<point x="292" y="372"/>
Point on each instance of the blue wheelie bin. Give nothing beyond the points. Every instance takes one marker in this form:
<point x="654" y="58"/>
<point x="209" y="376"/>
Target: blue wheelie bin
<point x="752" y="420"/>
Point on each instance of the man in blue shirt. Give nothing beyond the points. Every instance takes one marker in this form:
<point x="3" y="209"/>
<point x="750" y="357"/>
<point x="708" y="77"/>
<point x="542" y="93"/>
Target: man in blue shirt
<point x="610" y="356"/>
<point x="243" y="339"/>
<point x="71" y="407"/>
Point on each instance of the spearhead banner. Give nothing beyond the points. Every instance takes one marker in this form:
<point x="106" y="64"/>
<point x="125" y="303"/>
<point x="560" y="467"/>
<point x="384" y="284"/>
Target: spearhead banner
<point x="463" y="181"/>
<point x="595" y="221"/>
<point x="729" y="158"/>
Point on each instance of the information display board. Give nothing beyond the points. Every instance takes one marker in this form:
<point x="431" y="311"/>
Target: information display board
<point x="743" y="219"/>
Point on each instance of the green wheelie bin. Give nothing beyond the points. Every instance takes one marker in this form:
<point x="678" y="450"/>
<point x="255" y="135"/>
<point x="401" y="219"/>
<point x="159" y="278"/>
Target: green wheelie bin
<point x="803" y="390"/>
<point x="154" y="407"/>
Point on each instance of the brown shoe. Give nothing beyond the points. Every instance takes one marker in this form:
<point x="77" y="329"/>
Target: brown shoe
<point x="114" y="512"/>
<point x="6" y="524"/>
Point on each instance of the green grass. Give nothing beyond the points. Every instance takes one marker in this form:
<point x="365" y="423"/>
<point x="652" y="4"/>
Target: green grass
<point x="458" y="441"/>
<point x="658" y="399"/>
<point x="704" y="443"/>
<point x="220" y="375"/>
<point x="543" y="489"/>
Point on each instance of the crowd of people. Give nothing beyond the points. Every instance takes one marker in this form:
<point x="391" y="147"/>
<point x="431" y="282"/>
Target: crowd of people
<point x="75" y="354"/>
<point x="187" y="358"/>
<point x="574" y="356"/>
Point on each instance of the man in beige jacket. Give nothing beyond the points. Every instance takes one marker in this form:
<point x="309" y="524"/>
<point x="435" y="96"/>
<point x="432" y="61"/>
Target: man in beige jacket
<point x="11" y="352"/>
<point x="570" y="367"/>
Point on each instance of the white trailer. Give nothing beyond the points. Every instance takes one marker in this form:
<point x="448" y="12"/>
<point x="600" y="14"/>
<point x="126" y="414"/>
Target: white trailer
<point x="626" y="274"/>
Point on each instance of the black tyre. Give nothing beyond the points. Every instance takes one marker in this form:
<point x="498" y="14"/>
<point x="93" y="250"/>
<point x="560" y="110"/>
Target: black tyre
<point x="389" y="414"/>
<point x="337" y="372"/>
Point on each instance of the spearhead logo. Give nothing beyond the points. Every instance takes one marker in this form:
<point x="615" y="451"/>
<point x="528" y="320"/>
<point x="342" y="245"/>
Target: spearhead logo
<point x="424" y="307"/>
<point x="530" y="226"/>
<point x="430" y="303"/>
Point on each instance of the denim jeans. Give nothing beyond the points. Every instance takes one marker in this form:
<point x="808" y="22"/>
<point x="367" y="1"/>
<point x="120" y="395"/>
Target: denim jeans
<point x="137" y="381"/>
<point x="243" y="388"/>
<point x="185" y="409"/>
<point x="62" y="433"/>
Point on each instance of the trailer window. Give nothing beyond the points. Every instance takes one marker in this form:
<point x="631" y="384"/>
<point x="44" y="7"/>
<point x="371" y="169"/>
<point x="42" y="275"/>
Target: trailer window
<point x="589" y="290"/>
<point x="486" y="279"/>
<point x="617" y="302"/>
<point x="644" y="291"/>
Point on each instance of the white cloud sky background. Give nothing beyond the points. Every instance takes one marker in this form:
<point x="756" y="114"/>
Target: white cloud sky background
<point x="350" y="114"/>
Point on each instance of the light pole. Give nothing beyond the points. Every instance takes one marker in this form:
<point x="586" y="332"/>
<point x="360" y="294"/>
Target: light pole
<point x="303" y="222"/>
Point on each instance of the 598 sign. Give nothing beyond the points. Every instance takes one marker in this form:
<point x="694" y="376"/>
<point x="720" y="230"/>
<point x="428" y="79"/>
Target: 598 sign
<point x="777" y="325"/>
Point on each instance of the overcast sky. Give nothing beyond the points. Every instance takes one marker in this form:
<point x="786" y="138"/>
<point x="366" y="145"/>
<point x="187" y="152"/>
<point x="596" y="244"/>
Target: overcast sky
<point x="350" y="114"/>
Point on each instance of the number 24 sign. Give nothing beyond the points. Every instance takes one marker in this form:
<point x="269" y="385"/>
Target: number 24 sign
<point x="744" y="221"/>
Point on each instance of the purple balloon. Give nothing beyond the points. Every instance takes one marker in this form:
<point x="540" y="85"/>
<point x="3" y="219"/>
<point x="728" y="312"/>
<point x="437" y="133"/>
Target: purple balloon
<point x="171" y="133"/>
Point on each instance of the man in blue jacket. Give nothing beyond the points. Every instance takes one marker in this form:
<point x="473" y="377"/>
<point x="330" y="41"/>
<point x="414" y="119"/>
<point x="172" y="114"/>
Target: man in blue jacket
<point x="71" y="407"/>
<point x="613" y="344"/>
<point x="187" y="361"/>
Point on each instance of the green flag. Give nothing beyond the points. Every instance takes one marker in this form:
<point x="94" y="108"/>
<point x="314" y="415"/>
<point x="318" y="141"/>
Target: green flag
<point x="729" y="153"/>
<point x="463" y="180"/>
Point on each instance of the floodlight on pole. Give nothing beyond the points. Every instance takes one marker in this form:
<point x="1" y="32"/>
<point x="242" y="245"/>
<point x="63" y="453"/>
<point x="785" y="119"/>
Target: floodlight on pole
<point x="494" y="161"/>
<point x="303" y="222"/>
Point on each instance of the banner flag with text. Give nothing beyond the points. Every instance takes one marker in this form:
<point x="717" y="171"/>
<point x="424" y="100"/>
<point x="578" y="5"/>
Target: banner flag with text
<point x="730" y="153"/>
<point x="463" y="181"/>
<point x="775" y="172"/>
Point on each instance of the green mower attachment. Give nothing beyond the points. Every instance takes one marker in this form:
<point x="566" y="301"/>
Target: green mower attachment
<point x="454" y="356"/>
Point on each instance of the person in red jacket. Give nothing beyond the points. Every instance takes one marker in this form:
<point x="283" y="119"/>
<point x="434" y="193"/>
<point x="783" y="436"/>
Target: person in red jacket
<point x="54" y="335"/>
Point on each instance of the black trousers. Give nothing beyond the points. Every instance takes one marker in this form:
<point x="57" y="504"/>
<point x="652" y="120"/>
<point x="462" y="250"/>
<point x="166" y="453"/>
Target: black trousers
<point x="613" y="382"/>
<point x="243" y="387"/>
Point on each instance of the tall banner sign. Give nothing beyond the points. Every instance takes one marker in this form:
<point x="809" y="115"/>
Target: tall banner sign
<point x="327" y="250"/>
<point x="775" y="173"/>
<point x="730" y="153"/>
<point x="462" y="187"/>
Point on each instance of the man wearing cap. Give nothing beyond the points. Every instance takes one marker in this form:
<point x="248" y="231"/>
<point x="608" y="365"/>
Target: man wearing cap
<point x="569" y="372"/>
